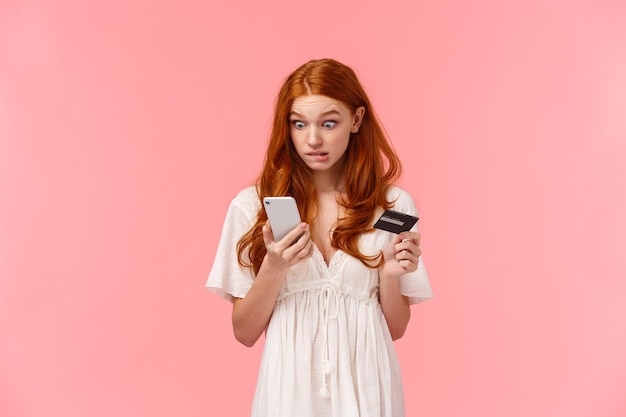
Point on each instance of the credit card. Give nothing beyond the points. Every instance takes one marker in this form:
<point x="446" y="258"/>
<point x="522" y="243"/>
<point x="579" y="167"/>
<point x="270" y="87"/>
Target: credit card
<point x="395" y="222"/>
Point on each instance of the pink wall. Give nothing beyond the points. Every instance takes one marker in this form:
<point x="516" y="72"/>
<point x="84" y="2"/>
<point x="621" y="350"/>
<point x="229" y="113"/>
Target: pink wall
<point x="126" y="128"/>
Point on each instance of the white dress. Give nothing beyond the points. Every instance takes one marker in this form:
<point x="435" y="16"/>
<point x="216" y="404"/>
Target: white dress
<point x="328" y="351"/>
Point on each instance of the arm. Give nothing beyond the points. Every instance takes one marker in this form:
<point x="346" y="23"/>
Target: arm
<point x="400" y="256"/>
<point x="252" y="314"/>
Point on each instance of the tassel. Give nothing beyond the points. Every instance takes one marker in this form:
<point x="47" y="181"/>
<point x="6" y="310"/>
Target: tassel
<point x="327" y="367"/>
<point x="324" y="391"/>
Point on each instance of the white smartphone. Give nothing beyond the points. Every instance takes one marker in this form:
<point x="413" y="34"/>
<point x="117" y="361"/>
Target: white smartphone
<point x="283" y="215"/>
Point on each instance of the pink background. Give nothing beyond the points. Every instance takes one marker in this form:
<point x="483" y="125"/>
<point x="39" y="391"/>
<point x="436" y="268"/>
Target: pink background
<point x="126" y="127"/>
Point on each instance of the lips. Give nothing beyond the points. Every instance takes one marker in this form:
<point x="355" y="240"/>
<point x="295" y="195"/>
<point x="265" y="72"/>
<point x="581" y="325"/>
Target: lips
<point x="318" y="156"/>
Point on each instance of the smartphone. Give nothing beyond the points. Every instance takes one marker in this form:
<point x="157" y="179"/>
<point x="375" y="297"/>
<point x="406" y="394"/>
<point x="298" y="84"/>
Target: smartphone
<point x="283" y="215"/>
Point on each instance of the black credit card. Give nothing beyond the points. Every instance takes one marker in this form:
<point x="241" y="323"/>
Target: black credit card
<point x="395" y="222"/>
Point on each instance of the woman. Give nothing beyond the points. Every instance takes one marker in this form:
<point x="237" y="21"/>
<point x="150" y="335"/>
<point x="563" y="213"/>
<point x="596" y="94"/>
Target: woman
<point x="331" y="303"/>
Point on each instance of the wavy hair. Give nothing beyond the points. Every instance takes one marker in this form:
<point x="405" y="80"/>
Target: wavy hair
<point x="372" y="165"/>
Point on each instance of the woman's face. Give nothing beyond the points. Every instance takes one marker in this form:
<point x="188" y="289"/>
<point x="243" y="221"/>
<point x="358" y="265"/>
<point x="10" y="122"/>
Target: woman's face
<point x="320" y="129"/>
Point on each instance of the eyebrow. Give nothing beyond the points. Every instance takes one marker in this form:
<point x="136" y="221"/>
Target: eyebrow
<point x="324" y="114"/>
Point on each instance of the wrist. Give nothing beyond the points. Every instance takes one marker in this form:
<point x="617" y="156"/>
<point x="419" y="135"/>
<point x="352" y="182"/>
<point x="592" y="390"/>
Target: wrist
<point x="273" y="268"/>
<point x="385" y="274"/>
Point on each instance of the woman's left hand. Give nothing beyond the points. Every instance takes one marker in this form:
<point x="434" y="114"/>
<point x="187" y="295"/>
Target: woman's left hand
<point x="402" y="254"/>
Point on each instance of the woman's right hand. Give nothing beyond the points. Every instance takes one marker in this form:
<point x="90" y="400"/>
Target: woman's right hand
<point x="295" y="247"/>
<point x="251" y="314"/>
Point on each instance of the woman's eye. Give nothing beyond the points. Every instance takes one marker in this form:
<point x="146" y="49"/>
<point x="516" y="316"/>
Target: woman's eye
<point x="329" y="124"/>
<point x="298" y="124"/>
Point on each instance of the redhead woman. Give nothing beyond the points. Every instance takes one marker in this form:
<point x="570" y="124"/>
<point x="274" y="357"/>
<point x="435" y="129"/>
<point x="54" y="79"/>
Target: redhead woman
<point x="333" y="294"/>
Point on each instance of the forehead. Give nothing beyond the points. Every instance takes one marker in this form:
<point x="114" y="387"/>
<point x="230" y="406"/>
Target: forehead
<point x="317" y="104"/>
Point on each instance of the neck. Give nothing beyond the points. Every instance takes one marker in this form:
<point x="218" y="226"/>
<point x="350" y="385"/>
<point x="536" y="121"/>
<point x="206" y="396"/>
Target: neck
<point x="329" y="181"/>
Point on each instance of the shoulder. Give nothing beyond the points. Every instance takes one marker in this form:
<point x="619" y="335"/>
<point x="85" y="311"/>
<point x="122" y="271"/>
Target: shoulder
<point x="248" y="195"/>
<point x="400" y="199"/>
<point x="247" y="201"/>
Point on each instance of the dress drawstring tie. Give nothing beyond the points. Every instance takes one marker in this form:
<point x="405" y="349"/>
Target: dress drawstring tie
<point x="328" y="296"/>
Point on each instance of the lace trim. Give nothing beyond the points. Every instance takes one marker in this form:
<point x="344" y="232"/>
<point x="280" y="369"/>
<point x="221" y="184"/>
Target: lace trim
<point x="327" y="269"/>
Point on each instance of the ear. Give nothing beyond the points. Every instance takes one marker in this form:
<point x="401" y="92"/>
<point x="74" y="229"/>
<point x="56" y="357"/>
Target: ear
<point x="357" y="119"/>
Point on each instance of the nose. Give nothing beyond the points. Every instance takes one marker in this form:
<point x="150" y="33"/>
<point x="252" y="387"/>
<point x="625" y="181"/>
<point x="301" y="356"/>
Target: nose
<point x="314" y="138"/>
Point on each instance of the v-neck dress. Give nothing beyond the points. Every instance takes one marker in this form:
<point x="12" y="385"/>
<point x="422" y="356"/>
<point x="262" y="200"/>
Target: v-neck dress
<point x="328" y="351"/>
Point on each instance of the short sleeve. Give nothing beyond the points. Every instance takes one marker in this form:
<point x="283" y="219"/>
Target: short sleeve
<point x="414" y="285"/>
<point x="227" y="278"/>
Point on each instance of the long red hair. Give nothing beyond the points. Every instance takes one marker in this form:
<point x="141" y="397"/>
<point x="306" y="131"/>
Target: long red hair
<point x="371" y="164"/>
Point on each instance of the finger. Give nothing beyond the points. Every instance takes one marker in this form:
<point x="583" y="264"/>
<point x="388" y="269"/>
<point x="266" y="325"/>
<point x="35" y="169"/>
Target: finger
<point x="408" y="265"/>
<point x="296" y="239"/>
<point x="413" y="250"/>
<point x="268" y="236"/>
<point x="412" y="236"/>
<point x="391" y="246"/>
<point x="307" y="251"/>
<point x="298" y="253"/>
<point x="302" y="243"/>
<point x="408" y="245"/>
<point x="407" y="250"/>
<point x="406" y="256"/>
<point x="397" y="239"/>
